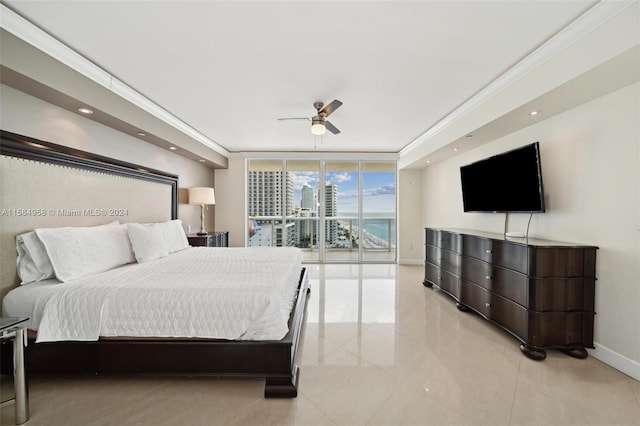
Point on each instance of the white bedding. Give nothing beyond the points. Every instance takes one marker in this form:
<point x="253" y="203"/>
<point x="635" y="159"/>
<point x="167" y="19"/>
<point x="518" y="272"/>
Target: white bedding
<point x="230" y="293"/>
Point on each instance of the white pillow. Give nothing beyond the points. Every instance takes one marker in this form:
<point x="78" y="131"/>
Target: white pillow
<point x="78" y="252"/>
<point x="174" y="237"/>
<point x="147" y="241"/>
<point x="33" y="262"/>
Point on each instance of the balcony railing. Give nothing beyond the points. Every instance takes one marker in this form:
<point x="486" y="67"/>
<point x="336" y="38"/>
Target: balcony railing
<point x="341" y="233"/>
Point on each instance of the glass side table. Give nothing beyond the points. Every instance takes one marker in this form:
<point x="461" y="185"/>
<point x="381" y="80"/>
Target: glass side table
<point x="15" y="328"/>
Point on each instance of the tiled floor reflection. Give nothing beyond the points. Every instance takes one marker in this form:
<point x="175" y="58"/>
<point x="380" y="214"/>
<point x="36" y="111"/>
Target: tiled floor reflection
<point x="379" y="349"/>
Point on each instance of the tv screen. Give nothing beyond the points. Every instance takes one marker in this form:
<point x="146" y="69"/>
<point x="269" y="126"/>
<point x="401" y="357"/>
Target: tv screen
<point x="507" y="182"/>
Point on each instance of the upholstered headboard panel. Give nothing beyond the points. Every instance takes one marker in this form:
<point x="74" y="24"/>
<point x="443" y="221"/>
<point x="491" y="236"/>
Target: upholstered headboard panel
<point x="47" y="185"/>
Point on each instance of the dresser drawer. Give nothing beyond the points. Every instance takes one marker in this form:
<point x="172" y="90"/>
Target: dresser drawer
<point x="562" y="294"/>
<point x="479" y="248"/>
<point x="432" y="237"/>
<point x="450" y="241"/>
<point x="496" y="308"/>
<point x="510" y="315"/>
<point x="450" y="261"/>
<point x="475" y="297"/>
<point x="443" y="258"/>
<point x="432" y="273"/>
<point x="561" y="329"/>
<point x="450" y="283"/>
<point x="433" y="255"/>
<point x="511" y="255"/>
<point x="563" y="262"/>
<point x="510" y="284"/>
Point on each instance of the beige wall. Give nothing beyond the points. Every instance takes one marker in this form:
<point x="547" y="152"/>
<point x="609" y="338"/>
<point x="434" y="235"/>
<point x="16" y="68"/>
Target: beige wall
<point x="410" y="233"/>
<point x="590" y="166"/>
<point x="231" y="210"/>
<point x="26" y="115"/>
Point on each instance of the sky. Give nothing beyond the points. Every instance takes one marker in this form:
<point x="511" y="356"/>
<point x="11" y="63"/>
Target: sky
<point x="379" y="190"/>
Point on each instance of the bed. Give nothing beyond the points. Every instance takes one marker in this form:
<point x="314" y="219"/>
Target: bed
<point x="204" y="311"/>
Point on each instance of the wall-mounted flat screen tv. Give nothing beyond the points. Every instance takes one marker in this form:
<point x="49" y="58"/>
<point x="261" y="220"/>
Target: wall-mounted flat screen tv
<point x="507" y="182"/>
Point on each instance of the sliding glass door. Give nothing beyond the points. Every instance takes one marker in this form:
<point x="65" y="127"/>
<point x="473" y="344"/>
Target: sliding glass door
<point x="341" y="206"/>
<point x="305" y="182"/>
<point x="334" y="211"/>
<point x="378" y="211"/>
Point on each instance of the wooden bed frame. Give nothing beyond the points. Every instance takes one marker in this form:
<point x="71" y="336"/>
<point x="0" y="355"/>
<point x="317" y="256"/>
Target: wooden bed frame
<point x="275" y="360"/>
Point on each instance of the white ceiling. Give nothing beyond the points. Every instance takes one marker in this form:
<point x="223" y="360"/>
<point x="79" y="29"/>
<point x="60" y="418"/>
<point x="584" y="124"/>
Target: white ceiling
<point x="230" y="69"/>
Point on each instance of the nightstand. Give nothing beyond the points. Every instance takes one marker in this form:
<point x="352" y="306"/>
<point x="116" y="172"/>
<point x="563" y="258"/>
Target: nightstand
<point x="212" y="239"/>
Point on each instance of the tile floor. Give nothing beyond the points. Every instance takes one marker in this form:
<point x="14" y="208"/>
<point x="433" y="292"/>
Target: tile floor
<point x="379" y="349"/>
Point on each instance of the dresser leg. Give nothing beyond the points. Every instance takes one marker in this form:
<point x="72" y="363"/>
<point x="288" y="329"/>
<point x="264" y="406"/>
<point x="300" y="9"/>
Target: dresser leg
<point x="427" y="283"/>
<point x="580" y="353"/>
<point x="534" y="354"/>
<point x="462" y="307"/>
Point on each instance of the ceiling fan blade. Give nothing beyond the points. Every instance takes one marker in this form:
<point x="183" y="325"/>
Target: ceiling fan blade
<point x="295" y="118"/>
<point x="328" y="109"/>
<point x="333" y="129"/>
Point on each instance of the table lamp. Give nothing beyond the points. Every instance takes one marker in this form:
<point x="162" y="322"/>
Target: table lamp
<point x="202" y="196"/>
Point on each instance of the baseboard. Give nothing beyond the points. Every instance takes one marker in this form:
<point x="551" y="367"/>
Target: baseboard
<point x="620" y="362"/>
<point x="410" y="261"/>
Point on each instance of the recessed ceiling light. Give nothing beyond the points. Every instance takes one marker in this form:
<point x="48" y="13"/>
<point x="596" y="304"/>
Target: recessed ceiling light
<point x="85" y="110"/>
<point x="201" y="160"/>
<point x="534" y="112"/>
<point x="428" y="161"/>
<point x="172" y="148"/>
<point x="455" y="149"/>
<point x="142" y="134"/>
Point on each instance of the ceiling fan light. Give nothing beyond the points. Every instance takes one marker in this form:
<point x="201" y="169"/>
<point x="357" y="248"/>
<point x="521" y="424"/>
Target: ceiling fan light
<point x="318" y="128"/>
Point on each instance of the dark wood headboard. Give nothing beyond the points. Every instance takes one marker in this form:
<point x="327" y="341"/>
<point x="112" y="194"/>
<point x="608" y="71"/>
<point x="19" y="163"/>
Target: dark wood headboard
<point x="44" y="185"/>
<point x="14" y="145"/>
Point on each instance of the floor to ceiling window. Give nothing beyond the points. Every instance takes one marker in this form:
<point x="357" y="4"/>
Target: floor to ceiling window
<point x="319" y="205"/>
<point x="378" y="210"/>
<point x="341" y="207"/>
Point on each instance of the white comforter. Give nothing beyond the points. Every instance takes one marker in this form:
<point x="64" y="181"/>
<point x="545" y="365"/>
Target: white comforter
<point x="235" y="293"/>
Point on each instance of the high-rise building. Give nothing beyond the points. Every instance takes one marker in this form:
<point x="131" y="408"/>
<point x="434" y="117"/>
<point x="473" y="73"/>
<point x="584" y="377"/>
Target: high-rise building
<point x="330" y="210"/>
<point x="265" y="193"/>
<point x="308" y="198"/>
<point x="266" y="199"/>
<point x="307" y="228"/>
<point x="269" y="235"/>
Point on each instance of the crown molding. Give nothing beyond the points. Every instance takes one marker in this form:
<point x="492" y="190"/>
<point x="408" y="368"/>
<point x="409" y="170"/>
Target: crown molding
<point x="314" y="155"/>
<point x="26" y="31"/>
<point x="579" y="28"/>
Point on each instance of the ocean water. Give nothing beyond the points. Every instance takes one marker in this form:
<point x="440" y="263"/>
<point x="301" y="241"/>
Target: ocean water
<point x="376" y="227"/>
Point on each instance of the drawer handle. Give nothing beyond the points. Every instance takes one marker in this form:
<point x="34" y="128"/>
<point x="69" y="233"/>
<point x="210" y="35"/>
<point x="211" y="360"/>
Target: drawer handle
<point x="487" y="304"/>
<point x="488" y="277"/>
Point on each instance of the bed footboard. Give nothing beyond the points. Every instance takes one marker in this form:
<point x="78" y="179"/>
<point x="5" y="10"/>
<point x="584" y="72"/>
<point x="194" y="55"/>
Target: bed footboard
<point x="287" y="387"/>
<point x="275" y="360"/>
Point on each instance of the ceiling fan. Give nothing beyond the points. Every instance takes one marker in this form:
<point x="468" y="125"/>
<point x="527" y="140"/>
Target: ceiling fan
<point x="319" y="123"/>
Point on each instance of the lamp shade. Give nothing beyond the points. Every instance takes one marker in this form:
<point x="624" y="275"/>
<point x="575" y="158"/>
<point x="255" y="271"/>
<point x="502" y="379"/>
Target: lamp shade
<point x="201" y="195"/>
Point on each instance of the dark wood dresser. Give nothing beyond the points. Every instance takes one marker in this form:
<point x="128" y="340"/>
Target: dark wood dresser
<point x="212" y="239"/>
<point x="540" y="291"/>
